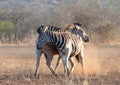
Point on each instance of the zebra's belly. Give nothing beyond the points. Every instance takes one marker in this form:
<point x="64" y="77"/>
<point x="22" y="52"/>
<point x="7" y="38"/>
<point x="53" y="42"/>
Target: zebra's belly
<point x="51" y="48"/>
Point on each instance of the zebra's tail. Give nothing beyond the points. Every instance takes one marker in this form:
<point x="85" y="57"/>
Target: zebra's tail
<point x="79" y="59"/>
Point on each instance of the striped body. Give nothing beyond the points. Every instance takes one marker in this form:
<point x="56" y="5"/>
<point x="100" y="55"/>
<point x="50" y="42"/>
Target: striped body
<point x="55" y="44"/>
<point x="60" y="40"/>
<point x="67" y="44"/>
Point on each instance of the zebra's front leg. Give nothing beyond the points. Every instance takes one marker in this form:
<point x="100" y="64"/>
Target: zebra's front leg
<point x="58" y="61"/>
<point x="70" y="60"/>
<point x="66" y="68"/>
<point x="48" y="62"/>
<point x="65" y="58"/>
<point x="38" y="55"/>
<point x="72" y="64"/>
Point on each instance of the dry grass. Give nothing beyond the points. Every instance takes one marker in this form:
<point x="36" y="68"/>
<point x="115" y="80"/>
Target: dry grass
<point x="101" y="69"/>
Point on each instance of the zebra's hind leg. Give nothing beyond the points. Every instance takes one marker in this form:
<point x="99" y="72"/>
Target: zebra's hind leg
<point x="58" y="61"/>
<point x="48" y="62"/>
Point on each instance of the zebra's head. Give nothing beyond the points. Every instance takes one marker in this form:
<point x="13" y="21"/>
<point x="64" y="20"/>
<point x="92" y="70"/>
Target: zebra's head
<point x="42" y="39"/>
<point x="76" y="29"/>
<point x="81" y="32"/>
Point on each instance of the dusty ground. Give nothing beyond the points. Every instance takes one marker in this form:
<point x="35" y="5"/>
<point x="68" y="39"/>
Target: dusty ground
<point x="17" y="65"/>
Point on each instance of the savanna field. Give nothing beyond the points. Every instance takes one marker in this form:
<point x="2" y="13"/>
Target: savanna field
<point x="19" y="21"/>
<point x="17" y="66"/>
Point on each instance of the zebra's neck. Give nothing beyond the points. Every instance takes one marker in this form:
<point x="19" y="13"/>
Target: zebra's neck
<point x="50" y="36"/>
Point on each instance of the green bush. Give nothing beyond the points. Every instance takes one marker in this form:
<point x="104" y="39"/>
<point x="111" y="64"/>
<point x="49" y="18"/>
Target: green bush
<point x="6" y="26"/>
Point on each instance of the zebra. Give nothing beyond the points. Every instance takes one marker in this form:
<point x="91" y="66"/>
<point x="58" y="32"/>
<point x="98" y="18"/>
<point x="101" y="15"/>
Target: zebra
<point x="50" y="48"/>
<point x="67" y="44"/>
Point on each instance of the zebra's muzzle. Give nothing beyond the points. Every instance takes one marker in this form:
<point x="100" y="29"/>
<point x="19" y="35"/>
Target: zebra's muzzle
<point x="86" y="39"/>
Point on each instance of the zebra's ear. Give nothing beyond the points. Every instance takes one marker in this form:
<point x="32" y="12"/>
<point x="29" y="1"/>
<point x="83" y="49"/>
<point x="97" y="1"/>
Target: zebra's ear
<point x="40" y="29"/>
<point x="78" y="24"/>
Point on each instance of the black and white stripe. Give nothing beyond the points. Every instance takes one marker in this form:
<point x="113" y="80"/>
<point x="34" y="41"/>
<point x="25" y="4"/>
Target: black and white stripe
<point x="74" y="28"/>
<point x="68" y="45"/>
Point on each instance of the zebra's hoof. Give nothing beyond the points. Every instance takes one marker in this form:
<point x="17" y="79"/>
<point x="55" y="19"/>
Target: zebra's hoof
<point x="35" y="75"/>
<point x="68" y="72"/>
<point x="56" y="75"/>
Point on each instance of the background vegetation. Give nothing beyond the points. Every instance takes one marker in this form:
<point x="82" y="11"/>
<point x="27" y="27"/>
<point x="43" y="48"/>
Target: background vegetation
<point x="20" y="19"/>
